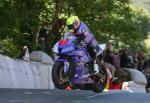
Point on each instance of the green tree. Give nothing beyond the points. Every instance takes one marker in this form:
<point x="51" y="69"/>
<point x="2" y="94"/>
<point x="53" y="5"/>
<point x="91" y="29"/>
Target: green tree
<point x="114" y="20"/>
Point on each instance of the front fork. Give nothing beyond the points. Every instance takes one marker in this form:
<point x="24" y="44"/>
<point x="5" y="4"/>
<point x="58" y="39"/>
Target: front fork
<point x="66" y="67"/>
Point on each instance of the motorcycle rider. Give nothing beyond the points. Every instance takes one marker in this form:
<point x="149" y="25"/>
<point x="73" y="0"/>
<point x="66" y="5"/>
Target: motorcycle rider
<point x="79" y="29"/>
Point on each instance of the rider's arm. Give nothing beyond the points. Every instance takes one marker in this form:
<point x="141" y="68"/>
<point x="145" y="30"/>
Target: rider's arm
<point x="88" y="36"/>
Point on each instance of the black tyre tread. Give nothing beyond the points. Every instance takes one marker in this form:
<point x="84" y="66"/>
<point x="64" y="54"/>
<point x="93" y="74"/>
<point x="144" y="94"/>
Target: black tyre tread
<point x="55" y="70"/>
<point x="98" y="89"/>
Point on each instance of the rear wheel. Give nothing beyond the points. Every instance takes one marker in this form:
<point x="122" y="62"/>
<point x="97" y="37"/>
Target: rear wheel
<point x="60" y="79"/>
<point x="100" y="79"/>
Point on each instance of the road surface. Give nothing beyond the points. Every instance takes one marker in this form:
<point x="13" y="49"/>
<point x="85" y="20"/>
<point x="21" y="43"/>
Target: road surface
<point x="76" y="96"/>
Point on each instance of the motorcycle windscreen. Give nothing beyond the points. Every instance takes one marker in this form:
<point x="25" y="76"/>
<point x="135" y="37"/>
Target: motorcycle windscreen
<point x="66" y="48"/>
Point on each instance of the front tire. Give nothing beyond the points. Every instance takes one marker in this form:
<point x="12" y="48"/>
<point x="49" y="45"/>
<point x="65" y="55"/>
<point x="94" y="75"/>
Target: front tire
<point x="60" y="80"/>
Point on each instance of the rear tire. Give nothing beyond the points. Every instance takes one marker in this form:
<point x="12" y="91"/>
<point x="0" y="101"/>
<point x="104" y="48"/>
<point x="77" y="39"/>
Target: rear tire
<point x="99" y="87"/>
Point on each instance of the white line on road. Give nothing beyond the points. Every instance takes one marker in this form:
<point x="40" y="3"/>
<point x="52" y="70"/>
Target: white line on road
<point x="96" y="95"/>
<point x="101" y="94"/>
<point x="77" y="101"/>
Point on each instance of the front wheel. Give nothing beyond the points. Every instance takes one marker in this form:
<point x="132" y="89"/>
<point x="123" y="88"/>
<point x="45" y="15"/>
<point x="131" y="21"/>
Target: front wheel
<point x="60" y="80"/>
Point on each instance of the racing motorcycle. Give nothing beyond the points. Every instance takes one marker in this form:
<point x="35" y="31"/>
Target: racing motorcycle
<point x="73" y="64"/>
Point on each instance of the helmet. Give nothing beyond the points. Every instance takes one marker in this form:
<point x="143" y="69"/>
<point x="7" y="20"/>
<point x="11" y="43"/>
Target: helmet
<point x="72" y="23"/>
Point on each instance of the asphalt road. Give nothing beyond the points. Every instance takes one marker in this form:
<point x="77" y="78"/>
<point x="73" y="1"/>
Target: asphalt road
<point x="76" y="96"/>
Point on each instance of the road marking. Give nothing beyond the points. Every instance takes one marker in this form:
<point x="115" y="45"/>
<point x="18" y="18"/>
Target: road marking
<point x="46" y="92"/>
<point x="14" y="101"/>
<point x="96" y="95"/>
<point x="101" y="94"/>
<point x="77" y="101"/>
<point x="28" y="93"/>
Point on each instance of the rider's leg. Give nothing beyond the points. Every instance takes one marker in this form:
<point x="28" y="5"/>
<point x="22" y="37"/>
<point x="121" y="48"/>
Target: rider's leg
<point x="93" y="57"/>
<point x="92" y="49"/>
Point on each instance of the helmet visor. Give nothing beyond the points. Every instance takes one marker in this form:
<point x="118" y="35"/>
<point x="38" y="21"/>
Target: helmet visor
<point x="70" y="27"/>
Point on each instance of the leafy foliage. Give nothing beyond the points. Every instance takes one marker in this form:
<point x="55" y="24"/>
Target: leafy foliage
<point x="109" y="20"/>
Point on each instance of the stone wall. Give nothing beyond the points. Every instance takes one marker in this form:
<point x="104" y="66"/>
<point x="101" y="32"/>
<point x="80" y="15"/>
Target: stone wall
<point x="21" y="74"/>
